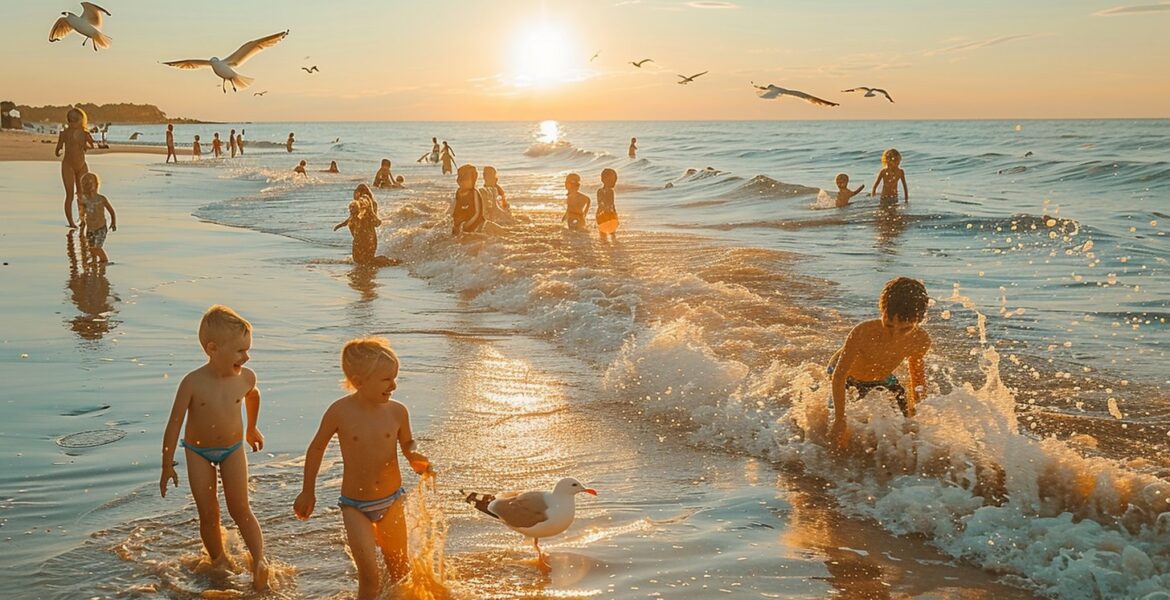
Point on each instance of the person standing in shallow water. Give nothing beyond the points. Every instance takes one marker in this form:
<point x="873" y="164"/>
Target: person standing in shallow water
<point x="232" y="142"/>
<point x="447" y="155"/>
<point x="289" y="144"/>
<point x="74" y="140"/>
<point x="633" y="147"/>
<point x="171" y="144"/>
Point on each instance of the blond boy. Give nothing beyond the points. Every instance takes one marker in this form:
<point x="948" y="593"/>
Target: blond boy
<point x="576" y="203"/>
<point x="367" y="424"/>
<point x="209" y="400"/>
<point x="876" y="347"/>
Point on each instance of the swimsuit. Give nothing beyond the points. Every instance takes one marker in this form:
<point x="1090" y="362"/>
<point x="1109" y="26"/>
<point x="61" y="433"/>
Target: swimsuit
<point x="465" y="209"/>
<point x="215" y="456"/>
<point x="96" y="238"/>
<point x="890" y="383"/>
<point x="373" y="509"/>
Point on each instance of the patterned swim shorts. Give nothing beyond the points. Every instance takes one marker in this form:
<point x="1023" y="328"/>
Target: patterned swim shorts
<point x="96" y="237"/>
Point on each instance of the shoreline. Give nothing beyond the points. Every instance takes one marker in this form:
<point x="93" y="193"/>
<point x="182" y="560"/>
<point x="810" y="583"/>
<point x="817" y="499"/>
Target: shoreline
<point x="39" y="147"/>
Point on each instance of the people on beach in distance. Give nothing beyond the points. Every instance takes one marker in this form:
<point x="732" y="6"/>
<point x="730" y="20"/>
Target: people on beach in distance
<point x="843" y="191"/>
<point x="300" y="168"/>
<point x="196" y="150"/>
<point x="447" y="155"/>
<point x="231" y="142"/>
<point x="105" y="128"/>
<point x="495" y="200"/>
<point x="607" y="217"/>
<point x="467" y="210"/>
<point x="332" y="167"/>
<point x="433" y="155"/>
<point x="876" y="347"/>
<point x="363" y="222"/>
<point x="633" y="147"/>
<point x="217" y="146"/>
<point x="209" y="399"/>
<point x="368" y="424"/>
<point x="576" y="203"/>
<point x="240" y="142"/>
<point x="889" y="177"/>
<point x="171" y="144"/>
<point x="94" y="206"/>
<point x="74" y="140"/>
<point x="289" y="143"/>
<point x="384" y="178"/>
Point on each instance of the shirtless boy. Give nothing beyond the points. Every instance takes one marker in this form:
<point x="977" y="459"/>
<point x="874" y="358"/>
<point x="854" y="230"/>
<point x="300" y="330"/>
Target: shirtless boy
<point x="843" y="192"/>
<point x="576" y="203"/>
<point x="876" y="347"/>
<point x="889" y="177"/>
<point x="171" y="144"/>
<point x="367" y="424"/>
<point x="209" y="400"/>
<point x="384" y="178"/>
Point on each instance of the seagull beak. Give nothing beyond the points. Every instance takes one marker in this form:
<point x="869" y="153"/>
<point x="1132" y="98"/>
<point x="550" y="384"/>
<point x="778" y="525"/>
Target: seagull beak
<point x="590" y="491"/>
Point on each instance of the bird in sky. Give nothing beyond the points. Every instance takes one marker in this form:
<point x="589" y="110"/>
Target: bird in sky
<point x="595" y="55"/>
<point x="641" y="62"/>
<point x="226" y="68"/>
<point x="312" y="69"/>
<point x="259" y="93"/>
<point x="683" y="79"/>
<point x="770" y="92"/>
<point x="89" y="25"/>
<point x="870" y="92"/>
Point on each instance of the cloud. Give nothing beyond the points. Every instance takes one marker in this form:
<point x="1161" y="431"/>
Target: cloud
<point x="1133" y="10"/>
<point x="968" y="46"/>
<point x="711" y="4"/>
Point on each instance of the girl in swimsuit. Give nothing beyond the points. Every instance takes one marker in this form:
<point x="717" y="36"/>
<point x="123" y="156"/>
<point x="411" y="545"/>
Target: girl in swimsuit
<point x="363" y="224"/>
<point x="889" y="177"/>
<point x="74" y="139"/>
<point x="467" y="212"/>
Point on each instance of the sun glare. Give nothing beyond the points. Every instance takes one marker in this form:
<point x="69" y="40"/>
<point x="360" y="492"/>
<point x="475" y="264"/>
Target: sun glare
<point x="550" y="132"/>
<point x="544" y="55"/>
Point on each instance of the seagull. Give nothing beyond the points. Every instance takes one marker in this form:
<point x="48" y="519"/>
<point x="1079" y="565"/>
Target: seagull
<point x="686" y="80"/>
<point x="641" y="62"/>
<point x="773" y="91"/>
<point x="89" y="25"/>
<point x="259" y="93"/>
<point x="226" y="68"/>
<point x="534" y="514"/>
<point x="595" y="55"/>
<point x="869" y="92"/>
<point x="312" y="69"/>
<point x="134" y="136"/>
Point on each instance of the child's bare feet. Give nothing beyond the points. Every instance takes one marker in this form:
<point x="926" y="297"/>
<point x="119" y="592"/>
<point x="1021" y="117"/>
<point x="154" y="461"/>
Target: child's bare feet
<point x="260" y="574"/>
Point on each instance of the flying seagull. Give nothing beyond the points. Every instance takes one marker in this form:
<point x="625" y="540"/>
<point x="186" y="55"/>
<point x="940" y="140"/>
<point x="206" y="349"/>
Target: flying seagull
<point x="595" y="55"/>
<point x="226" y="68"/>
<point x="312" y="69"/>
<point x="259" y="93"/>
<point x="641" y="62"/>
<point x="685" y="80"/>
<point x="870" y="92"/>
<point x="770" y="92"/>
<point x="89" y="25"/>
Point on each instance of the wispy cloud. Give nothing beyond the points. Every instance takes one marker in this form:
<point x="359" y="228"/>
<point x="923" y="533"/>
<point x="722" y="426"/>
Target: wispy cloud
<point x="711" y="4"/>
<point x="1133" y="10"/>
<point x="625" y="2"/>
<point x="969" y="46"/>
<point x="843" y="67"/>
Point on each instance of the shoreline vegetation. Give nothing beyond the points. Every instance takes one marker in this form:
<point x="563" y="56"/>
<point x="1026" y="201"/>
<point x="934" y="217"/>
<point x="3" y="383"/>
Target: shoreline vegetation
<point x="122" y="113"/>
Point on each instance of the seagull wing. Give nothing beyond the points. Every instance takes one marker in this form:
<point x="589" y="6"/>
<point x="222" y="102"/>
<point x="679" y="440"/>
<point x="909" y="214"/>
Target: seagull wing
<point x="253" y="48"/>
<point x="92" y="14"/>
<point x="884" y="93"/>
<point x="190" y="63"/>
<point x="60" y="29"/>
<point x="856" y="89"/>
<point x="760" y="87"/>
<point x="771" y="92"/>
<point x="810" y="98"/>
<point x="521" y="510"/>
<point x="697" y="75"/>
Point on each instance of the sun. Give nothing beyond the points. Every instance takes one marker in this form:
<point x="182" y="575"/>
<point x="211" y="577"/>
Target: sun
<point x="544" y="55"/>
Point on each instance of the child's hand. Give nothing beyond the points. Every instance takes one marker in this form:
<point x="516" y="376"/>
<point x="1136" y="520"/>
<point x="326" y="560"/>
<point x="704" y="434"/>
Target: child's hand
<point x="168" y="474"/>
<point x="419" y="463"/>
<point x="303" y="505"/>
<point x="113" y="227"/>
<point x="255" y="439"/>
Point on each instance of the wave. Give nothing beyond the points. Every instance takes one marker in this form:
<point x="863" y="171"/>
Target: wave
<point x="766" y="187"/>
<point x="565" y="150"/>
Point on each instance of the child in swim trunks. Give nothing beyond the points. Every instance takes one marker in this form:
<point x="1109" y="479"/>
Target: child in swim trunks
<point x="209" y="399"/>
<point x="606" y="211"/>
<point x="93" y="207"/>
<point x="576" y="203"/>
<point x="876" y="347"/>
<point x="889" y="177"/>
<point x="367" y="424"/>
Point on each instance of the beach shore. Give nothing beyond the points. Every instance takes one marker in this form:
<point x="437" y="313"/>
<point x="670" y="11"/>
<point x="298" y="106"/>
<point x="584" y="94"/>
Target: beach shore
<point x="21" y="146"/>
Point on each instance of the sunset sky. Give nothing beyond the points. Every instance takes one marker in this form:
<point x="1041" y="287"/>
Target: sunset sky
<point x="530" y="59"/>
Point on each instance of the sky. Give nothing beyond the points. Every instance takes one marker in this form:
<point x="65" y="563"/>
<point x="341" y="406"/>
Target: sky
<point x="386" y="60"/>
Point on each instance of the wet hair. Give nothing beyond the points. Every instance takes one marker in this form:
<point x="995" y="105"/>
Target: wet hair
<point x="90" y="182"/>
<point x="221" y="323"/>
<point x="905" y="298"/>
<point x="573" y="178"/>
<point x="359" y="358"/>
<point x="890" y="156"/>
<point x="362" y="190"/>
<point x="76" y="115"/>
<point x="841" y="179"/>
<point x="608" y="176"/>
<point x="303" y="163"/>
<point x="385" y="162"/>
<point x="196" y="138"/>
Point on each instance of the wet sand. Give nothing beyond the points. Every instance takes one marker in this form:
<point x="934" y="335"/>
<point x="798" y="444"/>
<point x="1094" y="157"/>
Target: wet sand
<point x="20" y="146"/>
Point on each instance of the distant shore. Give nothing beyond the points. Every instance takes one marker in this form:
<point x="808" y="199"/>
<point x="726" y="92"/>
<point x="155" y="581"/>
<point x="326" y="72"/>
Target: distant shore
<point x="18" y="146"/>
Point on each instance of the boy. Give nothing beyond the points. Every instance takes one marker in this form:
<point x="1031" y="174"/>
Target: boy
<point x="876" y="347"/>
<point x="843" y="191"/>
<point x="576" y="203"/>
<point x="607" y="219"/>
<point x="209" y="399"/>
<point x="495" y="200"/>
<point x="367" y="423"/>
<point x="232" y="142"/>
<point x="300" y="168"/>
<point x="384" y="178"/>
<point x="217" y="146"/>
<point x="171" y="143"/>
<point x="196" y="151"/>
<point x="93" y="207"/>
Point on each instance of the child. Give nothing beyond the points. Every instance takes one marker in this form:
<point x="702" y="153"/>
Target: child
<point x="231" y="142"/>
<point x="217" y="147"/>
<point x="196" y="152"/>
<point x="433" y="155"/>
<point x="363" y="224"/>
<point x="384" y="178"/>
<point x="240" y="142"/>
<point x="889" y="177"/>
<point x="367" y="423"/>
<point x="209" y="399"/>
<point x="576" y="203"/>
<point x="843" y="191"/>
<point x="171" y="144"/>
<point x="467" y="211"/>
<point x="495" y="200"/>
<point x="74" y="140"/>
<point x="94" y="206"/>
<point x="288" y="144"/>
<point x="876" y="347"/>
<point x="447" y="155"/>
<point x="607" y="218"/>
<point x="332" y="167"/>
<point x="633" y="147"/>
<point x="300" y="168"/>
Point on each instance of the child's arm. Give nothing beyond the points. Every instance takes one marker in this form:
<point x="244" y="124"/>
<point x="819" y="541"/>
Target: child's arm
<point x="89" y="141"/>
<point x="858" y="190"/>
<point x="341" y="224"/>
<point x="171" y="435"/>
<point x="873" y="188"/>
<point x="252" y="404"/>
<point x="839" y="433"/>
<point x="917" y="391"/>
<point x="905" y="189"/>
<point x="60" y="143"/>
<point x="307" y="499"/>
<point x="418" y="462"/>
<point x="113" y="215"/>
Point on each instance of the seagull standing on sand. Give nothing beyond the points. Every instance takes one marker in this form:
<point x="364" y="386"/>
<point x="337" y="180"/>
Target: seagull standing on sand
<point x="685" y="80"/>
<point x="226" y="68"/>
<point x="534" y="514"/>
<point x="770" y="92"/>
<point x="641" y="62"/>
<point x="89" y="24"/>
<point x="869" y="92"/>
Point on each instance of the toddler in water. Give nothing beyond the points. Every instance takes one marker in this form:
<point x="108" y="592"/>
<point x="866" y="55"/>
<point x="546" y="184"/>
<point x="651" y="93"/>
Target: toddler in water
<point x="876" y="347"/>
<point x="209" y="400"/>
<point x="889" y="177"/>
<point x="217" y="146"/>
<point x="300" y="168"/>
<point x="93" y="207"/>
<point x="467" y="211"/>
<point x="367" y="424"/>
<point x="495" y="200"/>
<point x="633" y="151"/>
<point x="606" y="212"/>
<point x="363" y="224"/>
<point x="196" y="151"/>
<point x="576" y="203"/>
<point x="843" y="191"/>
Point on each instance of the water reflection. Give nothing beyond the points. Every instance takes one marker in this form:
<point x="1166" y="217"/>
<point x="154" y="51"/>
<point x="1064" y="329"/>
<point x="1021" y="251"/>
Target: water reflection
<point x="889" y="223"/>
<point x="90" y="291"/>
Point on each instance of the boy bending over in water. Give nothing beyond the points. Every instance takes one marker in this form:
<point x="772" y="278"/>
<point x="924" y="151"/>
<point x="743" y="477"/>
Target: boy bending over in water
<point x="576" y="203"/>
<point x="876" y="347"/>
<point x="209" y="399"/>
<point x="367" y="423"/>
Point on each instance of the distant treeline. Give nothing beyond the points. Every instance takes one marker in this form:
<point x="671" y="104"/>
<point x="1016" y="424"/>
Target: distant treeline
<point x="103" y="113"/>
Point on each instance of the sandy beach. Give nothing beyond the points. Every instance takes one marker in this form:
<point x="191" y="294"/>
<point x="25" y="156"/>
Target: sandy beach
<point x="23" y="146"/>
